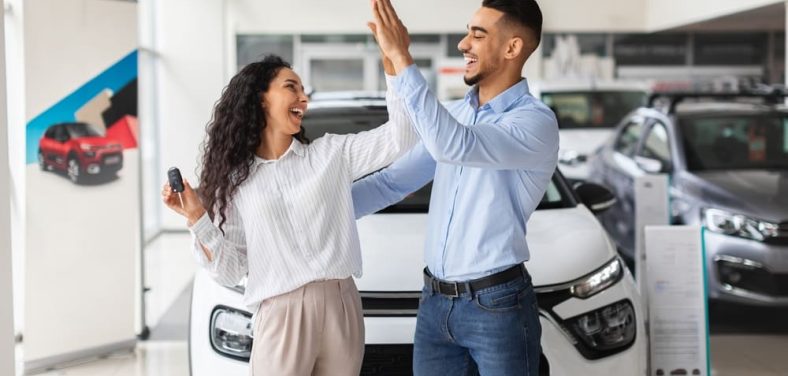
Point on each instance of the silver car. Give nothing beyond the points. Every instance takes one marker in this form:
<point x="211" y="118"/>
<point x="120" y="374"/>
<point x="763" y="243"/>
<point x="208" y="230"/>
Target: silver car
<point x="727" y="158"/>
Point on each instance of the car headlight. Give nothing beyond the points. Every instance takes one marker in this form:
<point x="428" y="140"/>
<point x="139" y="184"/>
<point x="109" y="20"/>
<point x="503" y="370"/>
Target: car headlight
<point x="231" y="333"/>
<point x="742" y="226"/>
<point x="608" y="328"/>
<point x="599" y="280"/>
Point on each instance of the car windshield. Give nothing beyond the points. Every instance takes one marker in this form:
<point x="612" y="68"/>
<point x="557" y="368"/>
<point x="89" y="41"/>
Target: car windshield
<point x="736" y="142"/>
<point x="356" y="119"/>
<point x="77" y="130"/>
<point x="592" y="109"/>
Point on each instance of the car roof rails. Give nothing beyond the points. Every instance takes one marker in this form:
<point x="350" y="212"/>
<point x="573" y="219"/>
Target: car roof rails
<point x="769" y="95"/>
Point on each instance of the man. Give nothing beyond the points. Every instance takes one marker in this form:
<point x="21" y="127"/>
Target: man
<point x="492" y="156"/>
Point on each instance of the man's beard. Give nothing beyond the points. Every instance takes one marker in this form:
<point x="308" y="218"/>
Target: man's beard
<point x="473" y="80"/>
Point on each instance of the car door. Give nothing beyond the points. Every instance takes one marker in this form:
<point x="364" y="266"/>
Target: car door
<point x="60" y="146"/>
<point x="618" y="173"/>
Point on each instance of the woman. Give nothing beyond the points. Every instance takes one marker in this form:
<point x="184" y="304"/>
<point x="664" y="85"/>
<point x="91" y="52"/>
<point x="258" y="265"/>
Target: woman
<point x="281" y="213"/>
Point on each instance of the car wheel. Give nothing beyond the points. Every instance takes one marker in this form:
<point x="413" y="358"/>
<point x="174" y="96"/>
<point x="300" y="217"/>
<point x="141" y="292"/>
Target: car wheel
<point x="73" y="170"/>
<point x="42" y="163"/>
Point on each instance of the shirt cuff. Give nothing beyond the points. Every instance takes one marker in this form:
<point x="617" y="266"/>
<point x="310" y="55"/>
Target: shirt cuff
<point x="408" y="79"/>
<point x="203" y="227"/>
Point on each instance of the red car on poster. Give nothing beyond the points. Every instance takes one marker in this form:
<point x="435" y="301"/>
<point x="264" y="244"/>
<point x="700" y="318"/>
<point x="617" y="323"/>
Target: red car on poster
<point x="79" y="150"/>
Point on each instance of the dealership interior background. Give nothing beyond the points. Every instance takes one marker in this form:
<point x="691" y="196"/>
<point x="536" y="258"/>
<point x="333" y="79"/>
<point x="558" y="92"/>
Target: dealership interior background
<point x="97" y="277"/>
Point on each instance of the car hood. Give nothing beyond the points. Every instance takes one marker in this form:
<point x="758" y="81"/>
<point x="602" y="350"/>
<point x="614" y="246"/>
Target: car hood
<point x="583" y="141"/>
<point x="565" y="245"/>
<point x="762" y="194"/>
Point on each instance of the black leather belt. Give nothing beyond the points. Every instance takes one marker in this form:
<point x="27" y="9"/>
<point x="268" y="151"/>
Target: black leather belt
<point x="454" y="289"/>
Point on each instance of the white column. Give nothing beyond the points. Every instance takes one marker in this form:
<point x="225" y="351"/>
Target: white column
<point x="7" y="352"/>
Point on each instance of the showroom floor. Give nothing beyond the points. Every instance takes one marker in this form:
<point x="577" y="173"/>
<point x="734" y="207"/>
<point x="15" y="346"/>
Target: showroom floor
<point x="744" y="341"/>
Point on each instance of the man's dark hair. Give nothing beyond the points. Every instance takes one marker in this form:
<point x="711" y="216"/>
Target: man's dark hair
<point x="525" y="13"/>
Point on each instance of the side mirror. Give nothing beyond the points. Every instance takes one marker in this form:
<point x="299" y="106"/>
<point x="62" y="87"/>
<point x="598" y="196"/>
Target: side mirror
<point x="594" y="196"/>
<point x="650" y="165"/>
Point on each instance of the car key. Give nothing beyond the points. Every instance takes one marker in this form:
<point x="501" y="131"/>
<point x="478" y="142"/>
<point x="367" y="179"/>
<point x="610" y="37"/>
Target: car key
<point x="176" y="181"/>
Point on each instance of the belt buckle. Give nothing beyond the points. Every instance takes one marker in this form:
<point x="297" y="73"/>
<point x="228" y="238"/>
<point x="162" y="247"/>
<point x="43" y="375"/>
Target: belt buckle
<point x="456" y="293"/>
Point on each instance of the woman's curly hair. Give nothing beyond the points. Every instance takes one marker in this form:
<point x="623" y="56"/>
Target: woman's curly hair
<point x="234" y="134"/>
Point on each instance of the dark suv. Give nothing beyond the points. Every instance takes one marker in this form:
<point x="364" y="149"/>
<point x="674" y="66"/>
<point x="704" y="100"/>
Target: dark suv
<point x="78" y="150"/>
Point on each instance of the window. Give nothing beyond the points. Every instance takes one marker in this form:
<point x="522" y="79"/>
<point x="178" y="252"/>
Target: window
<point x="592" y="109"/>
<point x="657" y="146"/>
<point x="651" y="49"/>
<point x="730" y="48"/>
<point x="724" y="142"/>
<point x="337" y="74"/>
<point x="251" y="48"/>
<point x="629" y="137"/>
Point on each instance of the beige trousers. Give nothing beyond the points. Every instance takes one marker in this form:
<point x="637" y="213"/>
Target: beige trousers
<point x="317" y="329"/>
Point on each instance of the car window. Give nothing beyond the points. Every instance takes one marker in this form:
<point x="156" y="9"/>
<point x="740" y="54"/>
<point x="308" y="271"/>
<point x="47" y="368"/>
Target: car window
<point x="735" y="142"/>
<point x="656" y="145"/>
<point x="60" y="134"/>
<point x="628" y="139"/>
<point x="50" y="133"/>
<point x="592" y="109"/>
<point x="77" y="130"/>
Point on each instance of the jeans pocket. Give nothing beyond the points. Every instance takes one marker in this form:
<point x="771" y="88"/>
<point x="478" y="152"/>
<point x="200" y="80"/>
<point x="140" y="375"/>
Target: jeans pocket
<point x="499" y="300"/>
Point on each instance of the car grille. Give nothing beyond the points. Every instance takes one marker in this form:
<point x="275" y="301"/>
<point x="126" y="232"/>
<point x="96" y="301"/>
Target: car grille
<point x="387" y="360"/>
<point x="754" y="279"/>
<point x="390" y="304"/>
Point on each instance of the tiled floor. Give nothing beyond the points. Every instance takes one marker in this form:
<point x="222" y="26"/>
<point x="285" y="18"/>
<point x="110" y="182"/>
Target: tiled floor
<point x="745" y="341"/>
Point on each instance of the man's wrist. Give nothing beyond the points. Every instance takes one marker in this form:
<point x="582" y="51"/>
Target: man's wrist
<point x="401" y="62"/>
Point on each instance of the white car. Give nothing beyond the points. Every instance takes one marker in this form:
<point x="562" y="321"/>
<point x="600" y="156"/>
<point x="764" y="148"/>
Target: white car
<point x="589" y="306"/>
<point x="587" y="114"/>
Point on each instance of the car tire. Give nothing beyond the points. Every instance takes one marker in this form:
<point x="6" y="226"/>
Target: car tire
<point x="42" y="163"/>
<point x="73" y="170"/>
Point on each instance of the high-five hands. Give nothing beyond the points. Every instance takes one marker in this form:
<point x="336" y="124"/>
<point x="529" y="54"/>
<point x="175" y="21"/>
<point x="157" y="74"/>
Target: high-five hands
<point x="391" y="35"/>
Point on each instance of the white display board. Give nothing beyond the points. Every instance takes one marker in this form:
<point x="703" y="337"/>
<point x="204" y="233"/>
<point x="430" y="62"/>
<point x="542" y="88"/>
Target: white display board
<point x="651" y="208"/>
<point x="82" y="239"/>
<point x="678" y="313"/>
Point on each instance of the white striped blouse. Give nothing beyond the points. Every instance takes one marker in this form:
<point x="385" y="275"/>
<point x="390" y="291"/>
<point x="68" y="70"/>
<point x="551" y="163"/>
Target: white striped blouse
<point x="292" y="222"/>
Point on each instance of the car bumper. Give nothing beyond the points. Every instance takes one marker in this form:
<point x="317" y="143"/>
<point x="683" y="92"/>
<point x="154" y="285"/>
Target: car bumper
<point x="746" y="271"/>
<point x="389" y="339"/>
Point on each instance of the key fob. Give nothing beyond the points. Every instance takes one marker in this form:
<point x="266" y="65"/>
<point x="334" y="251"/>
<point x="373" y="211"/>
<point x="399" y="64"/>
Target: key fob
<point x="175" y="179"/>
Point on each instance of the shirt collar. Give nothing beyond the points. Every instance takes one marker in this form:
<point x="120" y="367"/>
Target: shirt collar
<point x="296" y="147"/>
<point x="502" y="101"/>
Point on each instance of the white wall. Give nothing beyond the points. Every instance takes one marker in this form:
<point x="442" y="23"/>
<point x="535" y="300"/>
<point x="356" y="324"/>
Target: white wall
<point x="666" y="14"/>
<point x="7" y="353"/>
<point x="189" y="69"/>
<point x="434" y="16"/>
<point x="15" y="67"/>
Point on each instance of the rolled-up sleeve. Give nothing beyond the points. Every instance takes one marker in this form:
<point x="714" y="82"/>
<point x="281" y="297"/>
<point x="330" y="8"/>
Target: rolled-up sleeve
<point x="229" y="264"/>
<point x="526" y="138"/>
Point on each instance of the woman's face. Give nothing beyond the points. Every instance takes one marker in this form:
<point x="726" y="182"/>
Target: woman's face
<point x="285" y="103"/>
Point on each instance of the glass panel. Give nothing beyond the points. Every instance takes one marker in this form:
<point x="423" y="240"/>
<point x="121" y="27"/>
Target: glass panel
<point x="337" y="74"/>
<point x="592" y="109"/>
<point x="251" y="48"/>
<point x="451" y="45"/>
<point x="628" y="140"/>
<point x="735" y="142"/>
<point x="656" y="145"/>
<point x="730" y="48"/>
<point x="650" y="49"/>
<point x="590" y="44"/>
<point x="334" y="38"/>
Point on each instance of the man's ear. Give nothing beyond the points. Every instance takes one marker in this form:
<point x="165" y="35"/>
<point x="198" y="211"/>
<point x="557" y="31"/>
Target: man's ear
<point x="514" y="47"/>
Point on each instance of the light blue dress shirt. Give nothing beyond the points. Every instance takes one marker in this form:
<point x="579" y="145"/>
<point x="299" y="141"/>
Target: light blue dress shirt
<point x="490" y="164"/>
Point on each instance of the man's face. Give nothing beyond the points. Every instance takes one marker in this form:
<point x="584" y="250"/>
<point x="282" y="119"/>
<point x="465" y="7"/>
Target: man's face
<point x="484" y="45"/>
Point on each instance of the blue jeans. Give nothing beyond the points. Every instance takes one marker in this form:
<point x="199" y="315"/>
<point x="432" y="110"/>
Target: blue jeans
<point x="490" y="332"/>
